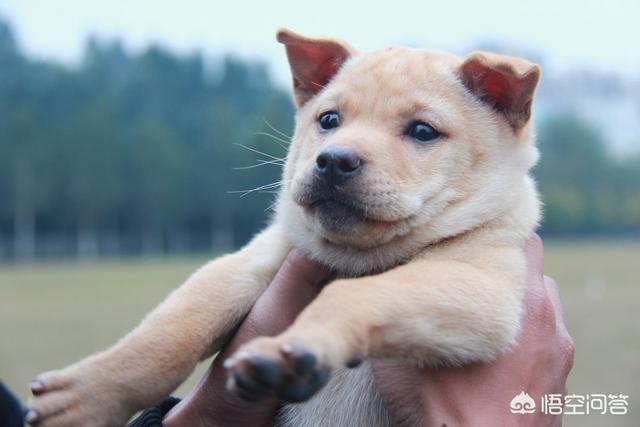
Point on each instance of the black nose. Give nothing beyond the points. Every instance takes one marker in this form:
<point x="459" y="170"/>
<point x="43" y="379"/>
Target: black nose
<point x="336" y="164"/>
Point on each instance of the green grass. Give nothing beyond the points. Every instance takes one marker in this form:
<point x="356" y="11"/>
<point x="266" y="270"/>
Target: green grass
<point x="52" y="314"/>
<point x="600" y="290"/>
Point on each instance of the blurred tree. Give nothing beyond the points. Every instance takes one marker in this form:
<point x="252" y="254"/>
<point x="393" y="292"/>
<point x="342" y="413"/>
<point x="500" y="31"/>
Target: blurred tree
<point x="584" y="190"/>
<point x="145" y="152"/>
<point x="90" y="150"/>
<point x="155" y="172"/>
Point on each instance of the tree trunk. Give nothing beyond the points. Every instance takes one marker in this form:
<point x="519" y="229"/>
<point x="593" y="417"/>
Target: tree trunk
<point x="221" y="231"/>
<point x="24" y="233"/>
<point x="151" y="240"/>
<point x="177" y="240"/>
<point x="111" y="244"/>
<point x="87" y="239"/>
<point x="24" y="212"/>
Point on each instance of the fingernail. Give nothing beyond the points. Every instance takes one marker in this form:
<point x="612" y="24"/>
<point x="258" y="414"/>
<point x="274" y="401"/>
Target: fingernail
<point x="229" y="383"/>
<point x="36" y="386"/>
<point x="286" y="348"/>
<point x="30" y="416"/>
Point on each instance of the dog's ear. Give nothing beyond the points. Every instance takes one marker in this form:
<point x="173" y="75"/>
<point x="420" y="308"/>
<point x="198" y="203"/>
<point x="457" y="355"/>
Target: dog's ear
<point x="505" y="83"/>
<point x="314" y="61"/>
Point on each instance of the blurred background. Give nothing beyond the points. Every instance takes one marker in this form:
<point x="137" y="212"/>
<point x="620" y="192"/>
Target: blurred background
<point x="132" y="131"/>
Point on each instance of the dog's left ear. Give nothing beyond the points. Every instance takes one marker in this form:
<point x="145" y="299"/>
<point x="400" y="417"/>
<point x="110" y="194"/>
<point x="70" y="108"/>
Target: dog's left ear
<point x="313" y="60"/>
<point x="505" y="83"/>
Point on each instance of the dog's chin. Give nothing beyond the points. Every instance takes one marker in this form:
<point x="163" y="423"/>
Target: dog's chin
<point x="336" y="217"/>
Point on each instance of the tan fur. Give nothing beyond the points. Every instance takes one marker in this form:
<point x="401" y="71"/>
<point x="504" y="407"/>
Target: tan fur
<point x="435" y="274"/>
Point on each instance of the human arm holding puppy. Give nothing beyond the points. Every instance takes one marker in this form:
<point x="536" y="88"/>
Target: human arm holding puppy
<point x="473" y="395"/>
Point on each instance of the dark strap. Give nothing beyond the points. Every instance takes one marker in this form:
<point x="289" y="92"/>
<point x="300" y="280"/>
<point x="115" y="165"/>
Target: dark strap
<point x="153" y="417"/>
<point x="10" y="409"/>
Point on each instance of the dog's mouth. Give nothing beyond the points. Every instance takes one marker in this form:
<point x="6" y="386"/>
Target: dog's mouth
<point x="351" y="215"/>
<point x="337" y="214"/>
<point x="355" y="210"/>
<point x="337" y="210"/>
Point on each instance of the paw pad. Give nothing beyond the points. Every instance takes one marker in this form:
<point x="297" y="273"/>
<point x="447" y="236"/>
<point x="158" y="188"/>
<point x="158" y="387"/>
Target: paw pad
<point x="293" y="377"/>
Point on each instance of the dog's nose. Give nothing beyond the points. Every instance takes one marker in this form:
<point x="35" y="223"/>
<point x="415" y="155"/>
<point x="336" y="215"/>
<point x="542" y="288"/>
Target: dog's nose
<point x="336" y="164"/>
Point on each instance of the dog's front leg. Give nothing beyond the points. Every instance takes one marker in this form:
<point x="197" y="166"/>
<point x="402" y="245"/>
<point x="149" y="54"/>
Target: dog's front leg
<point x="146" y="365"/>
<point x="428" y="312"/>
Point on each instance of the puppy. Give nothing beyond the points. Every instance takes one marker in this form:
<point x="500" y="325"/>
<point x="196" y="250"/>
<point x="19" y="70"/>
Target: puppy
<point x="408" y="176"/>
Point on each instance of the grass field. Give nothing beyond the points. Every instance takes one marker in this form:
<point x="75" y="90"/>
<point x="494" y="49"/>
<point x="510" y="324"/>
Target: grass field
<point x="52" y="314"/>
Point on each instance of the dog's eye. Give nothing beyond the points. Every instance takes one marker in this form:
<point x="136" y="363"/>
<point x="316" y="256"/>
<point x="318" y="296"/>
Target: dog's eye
<point x="422" y="132"/>
<point x="329" y="120"/>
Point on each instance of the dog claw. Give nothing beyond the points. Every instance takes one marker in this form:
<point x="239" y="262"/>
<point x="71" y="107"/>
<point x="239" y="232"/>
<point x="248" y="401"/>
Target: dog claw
<point x="303" y="361"/>
<point x="354" y="362"/>
<point x="300" y="392"/>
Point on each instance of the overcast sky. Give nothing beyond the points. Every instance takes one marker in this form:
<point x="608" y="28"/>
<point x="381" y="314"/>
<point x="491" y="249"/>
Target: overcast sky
<point x="603" y="34"/>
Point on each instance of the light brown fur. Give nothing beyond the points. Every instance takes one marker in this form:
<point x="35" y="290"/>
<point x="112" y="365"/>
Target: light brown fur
<point x="434" y="274"/>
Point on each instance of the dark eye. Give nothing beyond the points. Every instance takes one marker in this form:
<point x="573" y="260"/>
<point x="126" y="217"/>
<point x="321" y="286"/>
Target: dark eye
<point x="422" y="132"/>
<point x="329" y="120"/>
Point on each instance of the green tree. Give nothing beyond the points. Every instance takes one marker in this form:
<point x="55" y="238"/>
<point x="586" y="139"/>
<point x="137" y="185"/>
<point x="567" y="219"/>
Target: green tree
<point x="584" y="190"/>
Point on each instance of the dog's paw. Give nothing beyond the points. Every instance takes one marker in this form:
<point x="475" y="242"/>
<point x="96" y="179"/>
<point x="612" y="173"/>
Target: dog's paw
<point x="266" y="367"/>
<point x="68" y="398"/>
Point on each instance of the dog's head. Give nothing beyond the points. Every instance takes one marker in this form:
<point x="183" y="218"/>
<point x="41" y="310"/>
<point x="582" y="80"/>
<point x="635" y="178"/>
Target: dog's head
<point x="400" y="148"/>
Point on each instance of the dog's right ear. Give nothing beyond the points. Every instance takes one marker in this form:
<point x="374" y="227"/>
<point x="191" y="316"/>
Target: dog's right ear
<point x="507" y="84"/>
<point x="314" y="62"/>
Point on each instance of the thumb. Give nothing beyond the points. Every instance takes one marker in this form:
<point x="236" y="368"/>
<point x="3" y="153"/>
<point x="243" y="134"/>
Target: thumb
<point x="534" y="253"/>
<point x="295" y="285"/>
<point x="298" y="268"/>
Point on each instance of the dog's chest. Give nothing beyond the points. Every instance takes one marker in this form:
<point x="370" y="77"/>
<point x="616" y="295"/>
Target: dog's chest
<point x="348" y="400"/>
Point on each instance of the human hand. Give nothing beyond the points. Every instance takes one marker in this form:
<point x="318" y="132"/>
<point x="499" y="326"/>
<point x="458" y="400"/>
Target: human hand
<point x="210" y="404"/>
<point x="479" y="394"/>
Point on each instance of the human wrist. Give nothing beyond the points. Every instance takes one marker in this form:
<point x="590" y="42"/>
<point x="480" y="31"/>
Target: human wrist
<point x="454" y="398"/>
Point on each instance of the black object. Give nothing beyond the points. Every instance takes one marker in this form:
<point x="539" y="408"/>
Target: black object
<point x="153" y="417"/>
<point x="10" y="409"/>
<point x="303" y="377"/>
<point x="336" y="164"/>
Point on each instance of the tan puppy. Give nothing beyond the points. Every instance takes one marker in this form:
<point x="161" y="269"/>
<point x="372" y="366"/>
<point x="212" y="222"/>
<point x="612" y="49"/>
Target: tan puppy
<point x="408" y="175"/>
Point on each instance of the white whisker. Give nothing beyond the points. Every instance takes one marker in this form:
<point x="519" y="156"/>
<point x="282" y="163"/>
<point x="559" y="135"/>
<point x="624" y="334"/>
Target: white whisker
<point x="284" y="135"/>
<point x="281" y="142"/>
<point x="258" y="189"/>
<point x="258" y="151"/>
<point x="279" y="162"/>
<point x="271" y="206"/>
